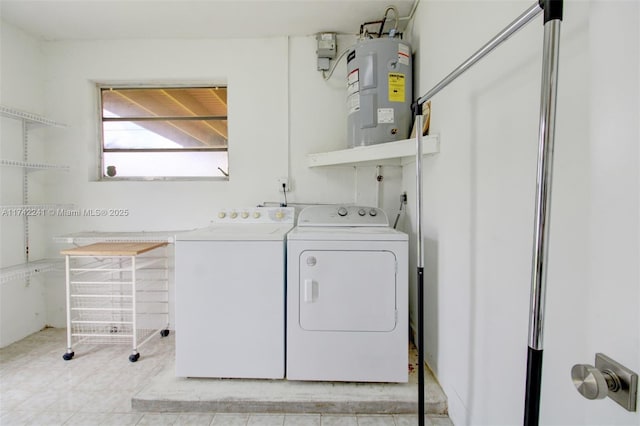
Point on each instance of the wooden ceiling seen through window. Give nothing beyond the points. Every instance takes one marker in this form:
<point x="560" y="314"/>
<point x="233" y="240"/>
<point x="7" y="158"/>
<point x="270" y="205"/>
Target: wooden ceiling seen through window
<point x="192" y="117"/>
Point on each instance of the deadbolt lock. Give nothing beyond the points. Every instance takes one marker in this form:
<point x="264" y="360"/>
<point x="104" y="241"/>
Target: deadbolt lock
<point x="606" y="378"/>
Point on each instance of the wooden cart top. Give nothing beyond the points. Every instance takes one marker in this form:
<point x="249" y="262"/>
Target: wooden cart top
<point x="113" y="249"/>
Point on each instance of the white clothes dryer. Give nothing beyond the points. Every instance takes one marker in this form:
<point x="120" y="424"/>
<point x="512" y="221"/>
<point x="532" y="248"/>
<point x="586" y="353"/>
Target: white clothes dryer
<point x="347" y="296"/>
<point x="230" y="295"/>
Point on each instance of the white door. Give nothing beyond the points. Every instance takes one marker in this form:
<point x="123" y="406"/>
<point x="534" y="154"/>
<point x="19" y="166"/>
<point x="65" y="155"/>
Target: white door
<point x="347" y="290"/>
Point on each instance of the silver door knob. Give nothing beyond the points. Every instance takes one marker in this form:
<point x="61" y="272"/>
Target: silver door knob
<point x="589" y="381"/>
<point x="593" y="383"/>
<point x="607" y="378"/>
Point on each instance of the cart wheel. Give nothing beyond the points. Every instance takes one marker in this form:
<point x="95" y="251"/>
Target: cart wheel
<point x="68" y="355"/>
<point x="164" y="333"/>
<point x="134" y="357"/>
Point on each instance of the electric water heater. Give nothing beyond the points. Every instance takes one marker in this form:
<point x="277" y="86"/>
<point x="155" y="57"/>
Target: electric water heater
<point x="379" y="92"/>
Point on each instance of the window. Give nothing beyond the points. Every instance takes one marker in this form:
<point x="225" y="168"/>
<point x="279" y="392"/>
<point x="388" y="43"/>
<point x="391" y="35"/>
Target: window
<point x="164" y="132"/>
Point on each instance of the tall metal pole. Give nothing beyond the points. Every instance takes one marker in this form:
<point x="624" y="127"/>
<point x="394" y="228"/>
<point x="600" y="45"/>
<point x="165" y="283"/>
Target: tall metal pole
<point x="417" y="108"/>
<point x="544" y="177"/>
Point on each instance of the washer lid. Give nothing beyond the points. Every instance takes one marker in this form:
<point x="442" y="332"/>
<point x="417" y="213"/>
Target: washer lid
<point x="237" y="232"/>
<point x="343" y="233"/>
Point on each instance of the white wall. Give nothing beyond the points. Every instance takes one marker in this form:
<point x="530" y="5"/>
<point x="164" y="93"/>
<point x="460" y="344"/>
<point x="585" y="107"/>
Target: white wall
<point x="256" y="74"/>
<point x="479" y="207"/>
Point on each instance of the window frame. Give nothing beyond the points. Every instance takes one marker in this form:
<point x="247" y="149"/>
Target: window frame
<point x="100" y="86"/>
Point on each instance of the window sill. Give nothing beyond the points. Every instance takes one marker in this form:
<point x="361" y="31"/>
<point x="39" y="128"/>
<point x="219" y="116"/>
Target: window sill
<point x="164" y="179"/>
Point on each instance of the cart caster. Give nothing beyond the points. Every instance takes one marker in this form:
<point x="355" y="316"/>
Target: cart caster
<point x="68" y="355"/>
<point x="134" y="357"/>
<point x="164" y="333"/>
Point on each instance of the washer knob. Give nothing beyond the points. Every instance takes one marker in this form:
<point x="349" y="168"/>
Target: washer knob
<point x="342" y="211"/>
<point x="245" y="215"/>
<point x="256" y="215"/>
<point x="362" y="212"/>
<point x="233" y="215"/>
<point x="279" y="214"/>
<point x="222" y="215"/>
<point x="373" y="212"/>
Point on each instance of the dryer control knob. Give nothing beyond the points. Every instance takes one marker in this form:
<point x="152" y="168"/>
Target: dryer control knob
<point x="233" y="215"/>
<point x="342" y="211"/>
<point x="373" y="212"/>
<point x="362" y="212"/>
<point x="256" y="215"/>
<point x="245" y="215"/>
<point x="221" y="215"/>
<point x="279" y="214"/>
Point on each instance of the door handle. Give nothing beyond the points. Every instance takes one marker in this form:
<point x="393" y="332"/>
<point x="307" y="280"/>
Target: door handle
<point x="606" y="378"/>
<point x="308" y="290"/>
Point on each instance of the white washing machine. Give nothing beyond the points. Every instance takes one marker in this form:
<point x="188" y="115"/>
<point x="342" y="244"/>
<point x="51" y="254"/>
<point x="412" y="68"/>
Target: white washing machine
<point x="230" y="295"/>
<point x="347" y="296"/>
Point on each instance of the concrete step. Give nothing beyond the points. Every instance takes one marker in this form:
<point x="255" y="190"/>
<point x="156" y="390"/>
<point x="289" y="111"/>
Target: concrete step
<point x="167" y="393"/>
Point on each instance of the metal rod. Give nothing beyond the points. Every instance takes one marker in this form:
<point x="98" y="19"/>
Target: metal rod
<point x="420" y="294"/>
<point x="533" y="387"/>
<point x="67" y="287"/>
<point x="544" y="178"/>
<point x="420" y="243"/>
<point x="513" y="27"/>
<point x="25" y="190"/>
<point x="420" y="263"/>
<point x="168" y="118"/>
<point x="134" y="303"/>
<point x="190" y="149"/>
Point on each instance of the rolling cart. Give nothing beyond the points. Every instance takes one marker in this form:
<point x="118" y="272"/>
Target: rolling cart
<point x="117" y="293"/>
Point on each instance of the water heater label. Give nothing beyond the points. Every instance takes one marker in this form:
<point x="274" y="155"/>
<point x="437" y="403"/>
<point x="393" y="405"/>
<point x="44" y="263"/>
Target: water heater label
<point x="353" y="85"/>
<point x="385" y="115"/>
<point x="403" y="54"/>
<point x="396" y="87"/>
<point x="353" y="103"/>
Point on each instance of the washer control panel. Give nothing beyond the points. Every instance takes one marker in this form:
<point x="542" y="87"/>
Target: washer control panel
<point x="255" y="215"/>
<point x="342" y="215"/>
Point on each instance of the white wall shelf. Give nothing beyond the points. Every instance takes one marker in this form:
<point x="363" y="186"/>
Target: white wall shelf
<point x="27" y="270"/>
<point x="27" y="210"/>
<point x="34" y="207"/>
<point x="90" y="237"/>
<point x="389" y="153"/>
<point x="32" y="166"/>
<point x="28" y="118"/>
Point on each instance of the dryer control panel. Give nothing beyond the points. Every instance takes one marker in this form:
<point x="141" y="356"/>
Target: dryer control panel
<point x="341" y="215"/>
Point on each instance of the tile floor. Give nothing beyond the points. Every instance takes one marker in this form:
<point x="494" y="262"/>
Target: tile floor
<point x="37" y="387"/>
